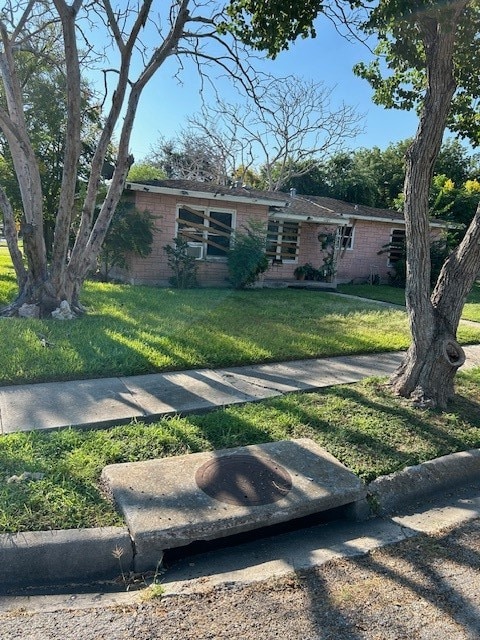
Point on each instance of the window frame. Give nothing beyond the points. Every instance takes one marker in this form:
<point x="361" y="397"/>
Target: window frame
<point x="279" y="242"/>
<point x="206" y="213"/>
<point x="390" y="251"/>
<point x="350" y="239"/>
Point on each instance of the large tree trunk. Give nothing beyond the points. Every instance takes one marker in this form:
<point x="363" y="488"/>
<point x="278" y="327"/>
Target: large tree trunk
<point x="428" y="371"/>
<point x="13" y="125"/>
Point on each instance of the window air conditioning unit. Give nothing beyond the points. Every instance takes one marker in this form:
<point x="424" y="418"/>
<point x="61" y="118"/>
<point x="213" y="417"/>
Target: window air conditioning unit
<point x="195" y="250"/>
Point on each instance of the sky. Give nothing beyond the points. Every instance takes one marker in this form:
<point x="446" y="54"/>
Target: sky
<point x="329" y="58"/>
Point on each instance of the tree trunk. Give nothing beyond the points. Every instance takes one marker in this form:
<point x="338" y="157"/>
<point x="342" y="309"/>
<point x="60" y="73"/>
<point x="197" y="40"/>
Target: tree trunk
<point x="428" y="371"/>
<point x="428" y="378"/>
<point x="10" y="231"/>
<point x="47" y="284"/>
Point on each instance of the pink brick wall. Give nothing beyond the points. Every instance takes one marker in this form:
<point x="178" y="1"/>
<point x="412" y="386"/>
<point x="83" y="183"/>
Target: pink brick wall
<point x="154" y="269"/>
<point x="359" y="262"/>
<point x="363" y="258"/>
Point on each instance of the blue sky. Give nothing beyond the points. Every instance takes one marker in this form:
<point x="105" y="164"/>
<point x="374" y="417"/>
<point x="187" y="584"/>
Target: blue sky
<point x="329" y="58"/>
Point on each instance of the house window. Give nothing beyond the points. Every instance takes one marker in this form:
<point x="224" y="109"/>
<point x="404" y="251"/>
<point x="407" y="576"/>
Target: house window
<point x="283" y="240"/>
<point x="397" y="246"/>
<point x="207" y="231"/>
<point x="346" y="234"/>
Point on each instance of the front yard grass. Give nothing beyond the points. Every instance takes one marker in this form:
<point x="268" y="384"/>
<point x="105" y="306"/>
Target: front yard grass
<point x="132" y="330"/>
<point x="362" y="425"/>
<point x="135" y="330"/>
<point x="381" y="292"/>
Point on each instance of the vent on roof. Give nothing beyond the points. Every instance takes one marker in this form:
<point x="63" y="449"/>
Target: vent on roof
<point x="293" y="193"/>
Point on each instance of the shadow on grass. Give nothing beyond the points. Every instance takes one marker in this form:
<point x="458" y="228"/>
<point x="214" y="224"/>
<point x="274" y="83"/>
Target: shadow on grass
<point x="132" y="331"/>
<point x="371" y="433"/>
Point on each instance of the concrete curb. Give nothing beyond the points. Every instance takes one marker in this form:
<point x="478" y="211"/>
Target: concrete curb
<point x="62" y="556"/>
<point x="42" y="558"/>
<point x="387" y="493"/>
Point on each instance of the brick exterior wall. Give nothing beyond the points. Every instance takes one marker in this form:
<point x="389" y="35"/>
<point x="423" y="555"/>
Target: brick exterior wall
<point x="154" y="270"/>
<point x="360" y="262"/>
<point x="363" y="260"/>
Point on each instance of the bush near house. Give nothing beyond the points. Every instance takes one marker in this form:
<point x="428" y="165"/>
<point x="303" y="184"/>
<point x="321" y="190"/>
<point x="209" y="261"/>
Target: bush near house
<point x="247" y="259"/>
<point x="182" y="264"/>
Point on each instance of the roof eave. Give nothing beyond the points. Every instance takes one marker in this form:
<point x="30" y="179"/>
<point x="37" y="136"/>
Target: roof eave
<point x="189" y="193"/>
<point x="292" y="217"/>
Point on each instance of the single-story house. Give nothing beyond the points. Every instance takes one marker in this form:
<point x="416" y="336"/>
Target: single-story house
<point x="341" y="240"/>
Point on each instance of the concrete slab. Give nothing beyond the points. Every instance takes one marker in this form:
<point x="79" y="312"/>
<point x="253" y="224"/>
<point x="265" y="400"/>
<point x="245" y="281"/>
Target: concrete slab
<point x="392" y="491"/>
<point x="301" y="375"/>
<point x="109" y="401"/>
<point x="47" y="557"/>
<point x="64" y="404"/>
<point x="164" y="507"/>
<point x="183" y="392"/>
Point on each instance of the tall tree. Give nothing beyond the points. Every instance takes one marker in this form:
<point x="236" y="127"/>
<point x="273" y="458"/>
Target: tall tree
<point x="289" y="124"/>
<point x="181" y="28"/>
<point x="431" y="54"/>
<point x="43" y="85"/>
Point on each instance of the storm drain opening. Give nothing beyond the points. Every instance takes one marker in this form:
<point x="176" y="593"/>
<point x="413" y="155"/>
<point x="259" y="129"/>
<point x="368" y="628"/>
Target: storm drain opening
<point x="176" y="555"/>
<point x="175" y="502"/>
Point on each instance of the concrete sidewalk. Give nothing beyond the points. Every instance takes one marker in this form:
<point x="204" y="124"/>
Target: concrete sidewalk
<point x="110" y="401"/>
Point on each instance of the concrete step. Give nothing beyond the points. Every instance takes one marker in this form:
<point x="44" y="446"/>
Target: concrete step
<point x="173" y="502"/>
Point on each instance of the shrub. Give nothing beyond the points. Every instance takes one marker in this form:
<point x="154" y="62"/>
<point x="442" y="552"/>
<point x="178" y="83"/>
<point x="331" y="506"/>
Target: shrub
<point x="247" y="259"/>
<point x="439" y="251"/>
<point x="183" y="265"/>
<point x="131" y="231"/>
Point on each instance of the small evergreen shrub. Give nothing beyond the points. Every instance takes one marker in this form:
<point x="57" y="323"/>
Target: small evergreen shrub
<point x="183" y="265"/>
<point x="247" y="259"/>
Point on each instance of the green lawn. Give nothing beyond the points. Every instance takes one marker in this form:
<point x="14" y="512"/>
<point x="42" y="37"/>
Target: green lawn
<point x="135" y="330"/>
<point x="395" y="295"/>
<point x="382" y="292"/>
<point x="362" y="425"/>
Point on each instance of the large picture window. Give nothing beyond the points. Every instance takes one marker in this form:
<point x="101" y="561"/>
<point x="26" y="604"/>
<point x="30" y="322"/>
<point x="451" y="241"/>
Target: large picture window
<point x="207" y="231"/>
<point x="283" y="240"/>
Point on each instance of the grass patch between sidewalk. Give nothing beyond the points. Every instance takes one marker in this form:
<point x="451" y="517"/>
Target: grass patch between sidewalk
<point x="361" y="424"/>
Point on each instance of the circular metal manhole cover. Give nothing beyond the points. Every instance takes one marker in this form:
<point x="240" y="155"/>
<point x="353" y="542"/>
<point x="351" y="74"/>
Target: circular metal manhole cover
<point x="245" y="480"/>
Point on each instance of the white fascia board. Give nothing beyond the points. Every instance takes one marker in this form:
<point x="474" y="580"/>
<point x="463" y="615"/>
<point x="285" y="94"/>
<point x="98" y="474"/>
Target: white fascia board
<point x="401" y="221"/>
<point x="274" y="215"/>
<point x="188" y="193"/>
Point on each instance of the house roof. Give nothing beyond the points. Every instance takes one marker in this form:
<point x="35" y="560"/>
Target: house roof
<point x="192" y="189"/>
<point x="282" y="206"/>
